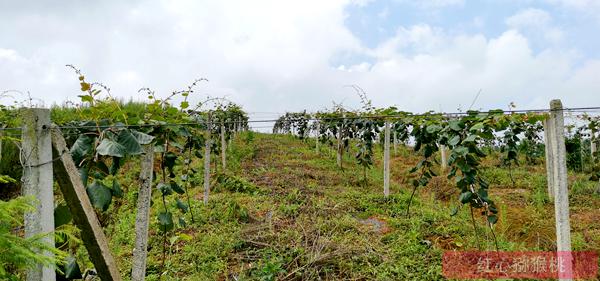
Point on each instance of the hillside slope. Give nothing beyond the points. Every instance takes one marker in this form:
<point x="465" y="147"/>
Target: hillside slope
<point x="284" y="212"/>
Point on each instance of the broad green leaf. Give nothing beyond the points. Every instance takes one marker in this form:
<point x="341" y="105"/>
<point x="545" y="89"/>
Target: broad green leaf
<point x="165" y="221"/>
<point x="454" y="140"/>
<point x="454" y="211"/>
<point x="176" y="187"/>
<point x="492" y="219"/>
<point x="86" y="98"/>
<point x="182" y="222"/>
<point x="465" y="197"/>
<point x="169" y="161"/>
<point x="461" y="150"/>
<point x="182" y="206"/>
<point x="141" y="137"/>
<point x="116" y="189"/>
<point x="111" y="148"/>
<point x="101" y="166"/>
<point x="114" y="167"/>
<point x="62" y="215"/>
<point x="470" y="138"/>
<point x="432" y="129"/>
<point x="455" y="125"/>
<point x="72" y="270"/>
<point x="81" y="148"/>
<point x="99" y="195"/>
<point x="165" y="189"/>
<point x="129" y="142"/>
<point x="84" y="175"/>
<point x="477" y="126"/>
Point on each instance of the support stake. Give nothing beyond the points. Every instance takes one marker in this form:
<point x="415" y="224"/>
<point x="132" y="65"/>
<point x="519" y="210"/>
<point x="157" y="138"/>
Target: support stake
<point x="81" y="208"/>
<point x="140" y="250"/>
<point x="561" y="191"/>
<point x="37" y="183"/>
<point x="207" y="146"/>
<point x="386" y="161"/>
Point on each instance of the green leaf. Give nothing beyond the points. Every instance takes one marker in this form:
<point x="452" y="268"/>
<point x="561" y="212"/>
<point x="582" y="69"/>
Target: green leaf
<point x="470" y="138"/>
<point x="477" y="126"/>
<point x="111" y="148"/>
<point x="454" y="141"/>
<point x="465" y="197"/>
<point x="455" y="125"/>
<point x="165" y="221"/>
<point x="72" y="270"/>
<point x="492" y="219"/>
<point x="99" y="195"/>
<point x="184" y="132"/>
<point x="86" y="98"/>
<point x="62" y="215"/>
<point x="81" y="148"/>
<point x="461" y="150"/>
<point x="142" y="138"/>
<point x="129" y="142"/>
<point x="84" y="175"/>
<point x="432" y="129"/>
<point x="114" y="167"/>
<point x="176" y="187"/>
<point x="169" y="161"/>
<point x="454" y="211"/>
<point x="165" y="189"/>
<point x="182" y="206"/>
<point x="182" y="222"/>
<point x="116" y="189"/>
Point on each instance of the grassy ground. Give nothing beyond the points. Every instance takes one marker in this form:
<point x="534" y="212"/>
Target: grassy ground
<point x="285" y="212"/>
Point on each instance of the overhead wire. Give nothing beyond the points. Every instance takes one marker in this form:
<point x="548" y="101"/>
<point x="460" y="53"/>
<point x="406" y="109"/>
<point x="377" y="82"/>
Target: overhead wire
<point x="427" y="114"/>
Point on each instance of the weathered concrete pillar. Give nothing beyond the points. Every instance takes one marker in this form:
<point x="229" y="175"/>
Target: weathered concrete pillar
<point x="593" y="149"/>
<point x="37" y="182"/>
<point x="444" y="160"/>
<point x="207" y="146"/>
<point x="561" y="188"/>
<point x="395" y="143"/>
<point x="317" y="137"/>
<point x="549" y="139"/>
<point x="223" y="148"/>
<point x="339" y="146"/>
<point x="386" y="161"/>
<point x="140" y="250"/>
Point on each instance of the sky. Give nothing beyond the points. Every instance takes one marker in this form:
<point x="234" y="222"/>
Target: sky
<point x="277" y="56"/>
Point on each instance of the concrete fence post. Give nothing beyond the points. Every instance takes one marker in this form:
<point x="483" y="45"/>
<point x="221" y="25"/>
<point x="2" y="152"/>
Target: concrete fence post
<point x="140" y="250"/>
<point x="548" y="139"/>
<point x="317" y="136"/>
<point x="223" y="148"/>
<point x="36" y="154"/>
<point x="444" y="159"/>
<point x="395" y="143"/>
<point x="386" y="161"/>
<point x="561" y="188"/>
<point x="339" y="146"/>
<point x="207" y="145"/>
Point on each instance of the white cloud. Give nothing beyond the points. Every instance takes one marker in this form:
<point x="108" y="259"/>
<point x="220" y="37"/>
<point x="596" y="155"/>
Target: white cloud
<point x="588" y="8"/>
<point x="536" y="22"/>
<point x="530" y="17"/>
<point x="434" y="4"/>
<point x="451" y="73"/>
